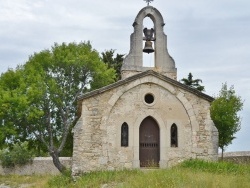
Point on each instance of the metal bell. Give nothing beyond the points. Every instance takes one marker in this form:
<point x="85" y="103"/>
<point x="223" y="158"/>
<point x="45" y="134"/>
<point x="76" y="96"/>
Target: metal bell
<point x="148" y="47"/>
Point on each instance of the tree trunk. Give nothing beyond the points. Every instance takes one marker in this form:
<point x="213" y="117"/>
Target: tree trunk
<point x="222" y="152"/>
<point x="56" y="161"/>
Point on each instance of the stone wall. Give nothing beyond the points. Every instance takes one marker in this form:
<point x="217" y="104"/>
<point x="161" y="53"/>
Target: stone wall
<point x="39" y="166"/>
<point x="236" y="154"/>
<point x="240" y="157"/>
<point x="44" y="165"/>
<point x="97" y="135"/>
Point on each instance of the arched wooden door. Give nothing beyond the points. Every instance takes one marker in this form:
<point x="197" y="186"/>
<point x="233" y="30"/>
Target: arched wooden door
<point x="149" y="153"/>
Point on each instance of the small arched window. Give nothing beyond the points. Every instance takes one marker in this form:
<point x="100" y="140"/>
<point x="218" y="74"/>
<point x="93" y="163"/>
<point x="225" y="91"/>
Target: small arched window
<point x="124" y="135"/>
<point x="174" y="135"/>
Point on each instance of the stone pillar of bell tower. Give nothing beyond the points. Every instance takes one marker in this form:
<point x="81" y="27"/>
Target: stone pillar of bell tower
<point x="133" y="62"/>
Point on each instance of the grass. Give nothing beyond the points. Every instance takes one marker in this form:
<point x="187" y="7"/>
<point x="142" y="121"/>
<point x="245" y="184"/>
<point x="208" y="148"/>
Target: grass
<point x="216" y="167"/>
<point x="192" y="173"/>
<point x="25" y="181"/>
<point x="189" y="174"/>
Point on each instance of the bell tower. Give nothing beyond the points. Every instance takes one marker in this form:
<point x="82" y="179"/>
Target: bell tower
<point x="133" y="62"/>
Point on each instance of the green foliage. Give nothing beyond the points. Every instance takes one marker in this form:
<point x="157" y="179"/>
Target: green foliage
<point x="193" y="83"/>
<point x="224" y="113"/>
<point x="18" y="155"/>
<point x="68" y="149"/>
<point x="38" y="101"/>
<point x="9" y="96"/>
<point x="113" y="62"/>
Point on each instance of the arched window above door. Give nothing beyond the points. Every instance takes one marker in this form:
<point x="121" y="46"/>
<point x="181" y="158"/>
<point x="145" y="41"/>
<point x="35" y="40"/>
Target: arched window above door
<point x="124" y="135"/>
<point x="174" y="135"/>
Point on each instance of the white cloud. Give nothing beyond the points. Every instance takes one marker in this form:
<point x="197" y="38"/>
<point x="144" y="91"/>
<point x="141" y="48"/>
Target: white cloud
<point x="208" y="38"/>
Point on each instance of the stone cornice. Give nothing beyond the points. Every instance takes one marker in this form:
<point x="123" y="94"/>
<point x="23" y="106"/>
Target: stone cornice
<point x="141" y="75"/>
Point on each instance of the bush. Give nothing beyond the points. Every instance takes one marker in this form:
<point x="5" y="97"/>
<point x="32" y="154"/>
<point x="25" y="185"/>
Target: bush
<point x="17" y="155"/>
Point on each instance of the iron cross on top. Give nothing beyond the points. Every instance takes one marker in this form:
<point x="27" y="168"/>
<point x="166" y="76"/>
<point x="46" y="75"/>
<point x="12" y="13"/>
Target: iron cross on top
<point x="148" y="1"/>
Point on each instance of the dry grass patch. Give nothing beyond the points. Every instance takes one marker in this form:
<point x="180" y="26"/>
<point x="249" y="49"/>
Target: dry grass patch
<point x="24" y="181"/>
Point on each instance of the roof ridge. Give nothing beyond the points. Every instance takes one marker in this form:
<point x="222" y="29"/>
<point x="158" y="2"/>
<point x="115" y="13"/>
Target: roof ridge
<point x="140" y="75"/>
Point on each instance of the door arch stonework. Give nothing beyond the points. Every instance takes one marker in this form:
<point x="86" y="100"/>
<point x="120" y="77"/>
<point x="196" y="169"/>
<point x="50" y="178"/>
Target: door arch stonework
<point x="163" y="140"/>
<point x="149" y="139"/>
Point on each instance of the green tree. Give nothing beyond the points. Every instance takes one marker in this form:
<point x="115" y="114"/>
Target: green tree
<point x="42" y="103"/>
<point x="224" y="113"/>
<point x="10" y="95"/>
<point x="193" y="83"/>
<point x="113" y="62"/>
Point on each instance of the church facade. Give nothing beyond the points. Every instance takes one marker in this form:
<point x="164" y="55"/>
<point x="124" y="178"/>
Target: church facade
<point x="147" y="119"/>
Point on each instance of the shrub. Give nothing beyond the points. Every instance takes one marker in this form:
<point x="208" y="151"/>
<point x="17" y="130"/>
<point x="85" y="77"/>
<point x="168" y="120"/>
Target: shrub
<point x="17" y="155"/>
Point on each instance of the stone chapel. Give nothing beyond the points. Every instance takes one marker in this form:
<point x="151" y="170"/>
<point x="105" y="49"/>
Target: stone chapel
<point x="148" y="118"/>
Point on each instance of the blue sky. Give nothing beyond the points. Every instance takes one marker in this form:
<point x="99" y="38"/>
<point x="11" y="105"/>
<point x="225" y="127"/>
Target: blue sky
<point x="210" y="39"/>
